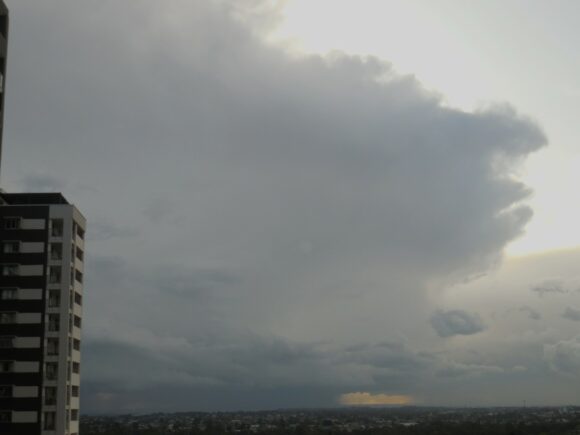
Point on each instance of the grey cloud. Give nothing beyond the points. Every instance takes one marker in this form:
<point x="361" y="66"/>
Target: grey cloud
<point x="456" y="322"/>
<point x="532" y="314"/>
<point x="264" y="372"/>
<point x="42" y="183"/>
<point x="158" y="209"/>
<point x="550" y="286"/>
<point x="313" y="197"/>
<point x="461" y="370"/>
<point x="191" y="282"/>
<point x="571" y="314"/>
<point x="564" y="356"/>
<point x="99" y="231"/>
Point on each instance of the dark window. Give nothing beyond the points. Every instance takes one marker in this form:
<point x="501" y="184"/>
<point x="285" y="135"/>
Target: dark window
<point x="8" y="293"/>
<point x="74" y="414"/>
<point x="6" y="342"/>
<point x="10" y="247"/>
<point x="54" y="298"/>
<point x="77" y="321"/>
<point x="56" y="227"/>
<point x="53" y="322"/>
<point x="52" y="346"/>
<point x="7" y="318"/>
<point x="5" y="390"/>
<point x="76" y="344"/>
<point x="56" y="251"/>
<point x="80" y="254"/>
<point x="50" y="395"/>
<point x="4" y="26"/>
<point x="5" y="416"/>
<point x="75" y="391"/>
<point x="51" y="372"/>
<point x="9" y="269"/>
<point x="78" y="299"/>
<point x="11" y="223"/>
<point x="6" y="366"/>
<point x="80" y="232"/>
<point x="49" y="420"/>
<point x="54" y="274"/>
<point x="78" y="276"/>
<point x="76" y="367"/>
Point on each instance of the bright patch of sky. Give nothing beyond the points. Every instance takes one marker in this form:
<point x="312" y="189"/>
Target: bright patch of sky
<point x="474" y="54"/>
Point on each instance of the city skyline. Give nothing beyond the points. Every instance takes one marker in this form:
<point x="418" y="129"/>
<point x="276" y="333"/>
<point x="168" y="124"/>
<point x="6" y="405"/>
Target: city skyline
<point x="274" y="225"/>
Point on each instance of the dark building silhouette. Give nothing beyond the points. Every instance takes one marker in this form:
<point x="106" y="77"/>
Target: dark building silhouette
<point x="3" y="53"/>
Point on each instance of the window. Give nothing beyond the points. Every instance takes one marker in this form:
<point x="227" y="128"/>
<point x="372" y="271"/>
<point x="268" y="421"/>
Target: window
<point x="50" y="395"/>
<point x="5" y="416"/>
<point x="6" y="366"/>
<point x="52" y="346"/>
<point x="51" y="371"/>
<point x="5" y="390"/>
<point x="53" y="322"/>
<point x="76" y="367"/>
<point x="56" y="227"/>
<point x="9" y="269"/>
<point x="76" y="344"/>
<point x="11" y="223"/>
<point x="80" y="232"/>
<point x="78" y="299"/>
<point x="80" y="254"/>
<point x="75" y="391"/>
<point x="10" y="247"/>
<point x="8" y="293"/>
<point x="6" y="342"/>
<point x="74" y="414"/>
<point x="78" y="276"/>
<point x="54" y="274"/>
<point x="54" y="298"/>
<point x="77" y="321"/>
<point x="7" y="318"/>
<point x="56" y="251"/>
<point x="49" y="420"/>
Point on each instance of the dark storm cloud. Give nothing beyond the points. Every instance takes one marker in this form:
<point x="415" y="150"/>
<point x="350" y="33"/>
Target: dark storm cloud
<point x="456" y="322"/>
<point x="240" y="193"/>
<point x="263" y="373"/>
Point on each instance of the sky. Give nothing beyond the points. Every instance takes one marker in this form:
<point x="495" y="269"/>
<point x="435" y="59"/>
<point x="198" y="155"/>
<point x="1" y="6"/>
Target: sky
<point x="310" y="203"/>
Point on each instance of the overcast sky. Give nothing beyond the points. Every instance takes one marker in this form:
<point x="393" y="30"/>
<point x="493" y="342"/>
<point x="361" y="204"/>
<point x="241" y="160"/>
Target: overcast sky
<point x="284" y="215"/>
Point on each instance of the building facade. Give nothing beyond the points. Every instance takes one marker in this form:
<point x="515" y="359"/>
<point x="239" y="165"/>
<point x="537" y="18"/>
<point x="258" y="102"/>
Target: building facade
<point x="41" y="292"/>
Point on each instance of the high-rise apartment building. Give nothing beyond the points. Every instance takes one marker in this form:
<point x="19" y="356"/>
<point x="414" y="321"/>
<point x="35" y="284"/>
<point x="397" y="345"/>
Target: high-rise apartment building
<point x="41" y="292"/>
<point x="41" y="283"/>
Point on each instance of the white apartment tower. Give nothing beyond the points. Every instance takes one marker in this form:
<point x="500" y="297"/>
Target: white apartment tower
<point x="41" y="293"/>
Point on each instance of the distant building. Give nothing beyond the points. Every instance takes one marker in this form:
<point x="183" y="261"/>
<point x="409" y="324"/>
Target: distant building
<point x="41" y="293"/>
